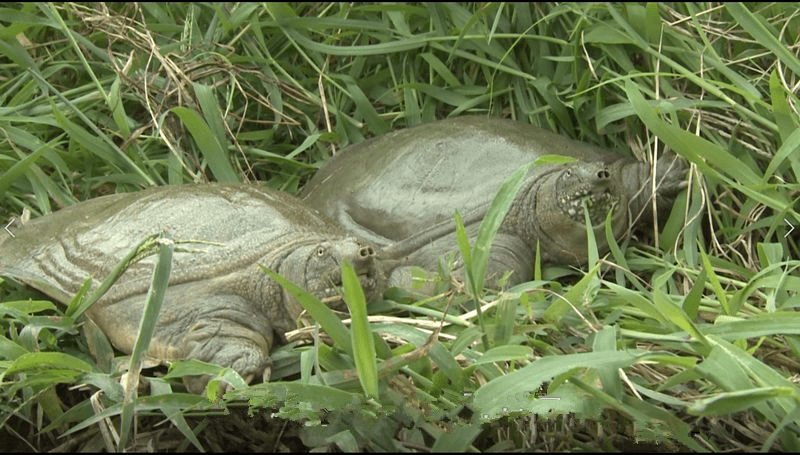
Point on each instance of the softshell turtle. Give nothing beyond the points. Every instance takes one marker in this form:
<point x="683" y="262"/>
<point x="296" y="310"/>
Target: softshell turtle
<point x="400" y="190"/>
<point x="219" y="306"/>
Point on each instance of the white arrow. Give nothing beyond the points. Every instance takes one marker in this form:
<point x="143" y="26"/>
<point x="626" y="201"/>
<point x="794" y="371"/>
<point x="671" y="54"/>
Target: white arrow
<point x="790" y="226"/>
<point x="7" y="230"/>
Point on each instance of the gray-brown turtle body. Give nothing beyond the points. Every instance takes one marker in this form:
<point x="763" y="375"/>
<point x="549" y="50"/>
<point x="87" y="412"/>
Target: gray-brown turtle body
<point x="400" y="190"/>
<point x="219" y="306"/>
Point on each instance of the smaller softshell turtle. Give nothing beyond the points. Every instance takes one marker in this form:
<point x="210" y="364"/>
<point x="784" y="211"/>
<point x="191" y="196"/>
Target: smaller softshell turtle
<point x="399" y="191"/>
<point x="219" y="306"/>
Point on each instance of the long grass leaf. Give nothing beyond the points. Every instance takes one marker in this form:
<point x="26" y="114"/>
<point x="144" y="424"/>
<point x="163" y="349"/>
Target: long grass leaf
<point x="147" y="325"/>
<point x="754" y="25"/>
<point x="511" y="392"/>
<point x="490" y="223"/>
<point x="361" y="335"/>
<point x="208" y="144"/>
<point x="318" y="310"/>
<point x="211" y="113"/>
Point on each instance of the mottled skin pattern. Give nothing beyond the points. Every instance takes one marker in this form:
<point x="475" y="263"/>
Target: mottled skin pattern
<point x="219" y="307"/>
<point x="400" y="190"/>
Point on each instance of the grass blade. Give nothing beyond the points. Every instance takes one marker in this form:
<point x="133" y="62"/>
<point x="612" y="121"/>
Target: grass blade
<point x="363" y="343"/>
<point x="147" y="325"/>
<point x="208" y="144"/>
<point x="318" y="310"/>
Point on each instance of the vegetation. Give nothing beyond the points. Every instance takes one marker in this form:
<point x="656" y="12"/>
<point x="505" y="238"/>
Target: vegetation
<point x="686" y="337"/>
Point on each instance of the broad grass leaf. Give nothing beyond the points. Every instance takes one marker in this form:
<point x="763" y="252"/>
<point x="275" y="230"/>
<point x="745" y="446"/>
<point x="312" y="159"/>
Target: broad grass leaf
<point x="438" y="67"/>
<point x="769" y="254"/>
<point x="375" y="123"/>
<point x="52" y="362"/>
<point x="195" y="367"/>
<point x="776" y="277"/>
<point x="318" y="310"/>
<point x="505" y="353"/>
<point x="401" y="45"/>
<point x="715" y="283"/>
<point x="211" y="113"/>
<point x="676" y="315"/>
<point x="89" y="141"/>
<point x="491" y="222"/>
<point x="549" y="158"/>
<point x="447" y="363"/>
<point x="591" y="243"/>
<point x="606" y="341"/>
<point x="701" y="151"/>
<point x="150" y="313"/>
<point x="723" y="367"/>
<point x="788" y="151"/>
<point x="693" y="147"/>
<point x="27" y="306"/>
<point x="118" y="109"/>
<point x="760" y="325"/>
<point x="512" y="392"/>
<point x="361" y="335"/>
<point x="575" y="296"/>
<point x="10" y="350"/>
<point x="505" y="321"/>
<point x="19" y="168"/>
<point x="639" y="301"/>
<point x="154" y="299"/>
<point x="691" y="303"/>
<point x="208" y="144"/>
<point x="174" y="412"/>
<point x="604" y="33"/>
<point x="731" y="402"/>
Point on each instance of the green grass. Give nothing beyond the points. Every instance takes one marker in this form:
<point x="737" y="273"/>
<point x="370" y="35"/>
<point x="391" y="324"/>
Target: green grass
<point x="683" y="338"/>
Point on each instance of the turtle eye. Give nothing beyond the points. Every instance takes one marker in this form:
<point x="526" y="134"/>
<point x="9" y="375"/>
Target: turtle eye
<point x="567" y="173"/>
<point x="320" y="251"/>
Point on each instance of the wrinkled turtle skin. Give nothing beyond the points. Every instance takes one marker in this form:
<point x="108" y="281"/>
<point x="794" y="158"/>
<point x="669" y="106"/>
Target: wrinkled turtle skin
<point x="399" y="191"/>
<point x="219" y="306"/>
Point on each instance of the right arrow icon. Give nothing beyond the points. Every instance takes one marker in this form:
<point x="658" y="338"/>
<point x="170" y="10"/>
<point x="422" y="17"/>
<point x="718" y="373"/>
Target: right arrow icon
<point x="791" y="228"/>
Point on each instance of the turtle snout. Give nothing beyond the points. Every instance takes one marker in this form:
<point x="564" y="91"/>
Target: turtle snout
<point x="599" y="176"/>
<point x="591" y="174"/>
<point x="363" y="258"/>
<point x="366" y="252"/>
<point x="368" y="268"/>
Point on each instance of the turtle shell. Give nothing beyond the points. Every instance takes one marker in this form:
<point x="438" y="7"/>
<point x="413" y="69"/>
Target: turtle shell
<point x="400" y="190"/>
<point x="393" y="186"/>
<point x="219" y="306"/>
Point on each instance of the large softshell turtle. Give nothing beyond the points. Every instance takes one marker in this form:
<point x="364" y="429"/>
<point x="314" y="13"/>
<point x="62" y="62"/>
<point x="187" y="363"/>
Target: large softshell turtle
<point x="219" y="307"/>
<point x="400" y="190"/>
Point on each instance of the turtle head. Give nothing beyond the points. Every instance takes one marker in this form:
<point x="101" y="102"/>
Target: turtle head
<point x="558" y="198"/>
<point x="590" y="184"/>
<point x="623" y="188"/>
<point x="317" y="267"/>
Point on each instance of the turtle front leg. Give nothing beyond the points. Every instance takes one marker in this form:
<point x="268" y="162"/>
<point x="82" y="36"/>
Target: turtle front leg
<point x="220" y="328"/>
<point x="227" y="334"/>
